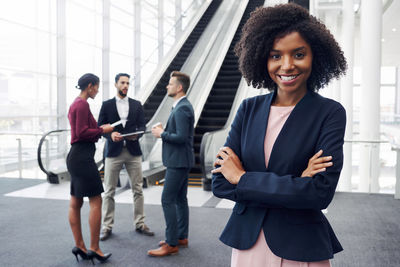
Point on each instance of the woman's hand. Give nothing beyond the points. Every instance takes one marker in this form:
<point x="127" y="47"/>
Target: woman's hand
<point x="107" y="128"/>
<point x="230" y="165"/>
<point x="317" y="164"/>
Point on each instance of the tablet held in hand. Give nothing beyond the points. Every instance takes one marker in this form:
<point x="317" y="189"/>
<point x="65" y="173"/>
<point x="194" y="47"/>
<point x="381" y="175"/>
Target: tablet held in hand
<point x="133" y="133"/>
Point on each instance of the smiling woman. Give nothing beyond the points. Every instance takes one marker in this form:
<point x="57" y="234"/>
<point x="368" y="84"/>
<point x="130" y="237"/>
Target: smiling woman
<point x="283" y="156"/>
<point x="289" y="66"/>
<point x="264" y="28"/>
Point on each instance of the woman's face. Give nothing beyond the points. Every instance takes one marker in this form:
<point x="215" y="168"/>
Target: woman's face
<point x="290" y="62"/>
<point x="93" y="90"/>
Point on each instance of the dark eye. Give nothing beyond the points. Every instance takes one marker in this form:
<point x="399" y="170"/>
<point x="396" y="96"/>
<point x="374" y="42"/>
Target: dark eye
<point x="275" y="56"/>
<point x="299" y="55"/>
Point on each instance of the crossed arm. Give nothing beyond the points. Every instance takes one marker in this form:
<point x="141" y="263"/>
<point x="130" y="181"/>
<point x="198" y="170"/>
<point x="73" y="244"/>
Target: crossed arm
<point x="314" y="189"/>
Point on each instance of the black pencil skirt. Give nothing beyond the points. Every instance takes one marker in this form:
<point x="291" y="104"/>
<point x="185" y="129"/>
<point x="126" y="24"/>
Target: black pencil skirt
<point x="85" y="177"/>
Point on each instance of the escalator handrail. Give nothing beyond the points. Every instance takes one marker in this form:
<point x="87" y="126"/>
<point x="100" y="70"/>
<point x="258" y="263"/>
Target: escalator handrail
<point x="240" y="95"/>
<point x="157" y="75"/>
<point x="39" y="151"/>
<point x="166" y="103"/>
<point x="204" y="142"/>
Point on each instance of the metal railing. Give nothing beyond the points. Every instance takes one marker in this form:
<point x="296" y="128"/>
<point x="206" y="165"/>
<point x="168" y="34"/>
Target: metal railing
<point x="14" y="156"/>
<point x="52" y="176"/>
<point x="387" y="179"/>
<point x="52" y="152"/>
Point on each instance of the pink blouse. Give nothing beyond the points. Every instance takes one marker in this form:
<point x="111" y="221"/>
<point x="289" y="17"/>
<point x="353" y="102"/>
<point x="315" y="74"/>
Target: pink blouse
<point x="260" y="254"/>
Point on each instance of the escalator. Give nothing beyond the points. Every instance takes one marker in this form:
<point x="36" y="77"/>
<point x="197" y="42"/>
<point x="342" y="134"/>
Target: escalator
<point x="52" y="161"/>
<point x="158" y="94"/>
<point x="219" y="102"/>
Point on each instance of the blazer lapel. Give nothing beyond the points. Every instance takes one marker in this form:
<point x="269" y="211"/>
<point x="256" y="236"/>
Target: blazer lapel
<point x="297" y="114"/>
<point x="174" y="109"/>
<point x="169" y="118"/>
<point x="114" y="109"/>
<point x="131" y="112"/>
<point x="264" y="119"/>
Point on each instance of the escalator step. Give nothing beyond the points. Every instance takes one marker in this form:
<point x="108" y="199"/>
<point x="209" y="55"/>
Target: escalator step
<point x="221" y="99"/>
<point x="217" y="90"/>
<point x="179" y="60"/>
<point x="219" y="102"/>
<point x="215" y="113"/>
<point x="228" y="79"/>
<point x="210" y="128"/>
<point x="219" y="106"/>
<point x="230" y="73"/>
<point x="211" y="121"/>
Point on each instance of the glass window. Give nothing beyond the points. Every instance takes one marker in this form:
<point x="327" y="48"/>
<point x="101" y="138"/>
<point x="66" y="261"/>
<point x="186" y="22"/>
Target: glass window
<point x="21" y="11"/>
<point x="121" y="39"/>
<point x="83" y="24"/>
<point x="84" y="42"/>
<point x="27" y="66"/>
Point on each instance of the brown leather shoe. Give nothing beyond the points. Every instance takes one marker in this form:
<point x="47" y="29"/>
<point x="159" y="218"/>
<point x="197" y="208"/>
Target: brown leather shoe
<point x="164" y="250"/>
<point x="144" y="230"/>
<point x="182" y="243"/>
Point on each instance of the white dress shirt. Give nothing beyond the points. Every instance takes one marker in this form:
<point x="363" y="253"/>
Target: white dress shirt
<point x="122" y="108"/>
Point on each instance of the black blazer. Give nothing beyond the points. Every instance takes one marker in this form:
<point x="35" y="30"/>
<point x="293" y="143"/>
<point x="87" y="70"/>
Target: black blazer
<point x="287" y="206"/>
<point x="177" y="147"/>
<point x="135" y="122"/>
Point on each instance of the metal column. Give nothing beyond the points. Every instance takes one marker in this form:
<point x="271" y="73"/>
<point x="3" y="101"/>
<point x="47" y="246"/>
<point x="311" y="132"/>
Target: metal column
<point x="61" y="66"/>
<point x="106" y="50"/>
<point x="397" y="102"/>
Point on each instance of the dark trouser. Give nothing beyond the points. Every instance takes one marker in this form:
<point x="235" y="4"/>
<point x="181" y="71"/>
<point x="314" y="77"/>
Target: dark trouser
<point x="175" y="205"/>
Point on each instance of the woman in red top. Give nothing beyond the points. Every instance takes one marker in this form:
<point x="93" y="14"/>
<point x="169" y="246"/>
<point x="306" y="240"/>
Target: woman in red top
<point x="85" y="178"/>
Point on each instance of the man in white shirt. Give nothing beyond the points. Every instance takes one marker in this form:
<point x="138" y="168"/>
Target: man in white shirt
<point x="121" y="151"/>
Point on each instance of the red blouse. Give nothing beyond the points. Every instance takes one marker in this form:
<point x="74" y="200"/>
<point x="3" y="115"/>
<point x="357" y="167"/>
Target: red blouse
<point x="83" y="125"/>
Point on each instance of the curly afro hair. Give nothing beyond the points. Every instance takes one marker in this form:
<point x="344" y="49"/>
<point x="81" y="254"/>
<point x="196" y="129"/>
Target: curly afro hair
<point x="269" y="23"/>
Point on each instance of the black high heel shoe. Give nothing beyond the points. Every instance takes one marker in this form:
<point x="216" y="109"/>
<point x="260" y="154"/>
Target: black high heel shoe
<point x="77" y="251"/>
<point x="93" y="255"/>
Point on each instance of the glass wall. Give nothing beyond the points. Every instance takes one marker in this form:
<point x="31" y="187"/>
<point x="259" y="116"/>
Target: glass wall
<point x="27" y="77"/>
<point x="28" y="59"/>
<point x="84" y="41"/>
<point x="121" y="40"/>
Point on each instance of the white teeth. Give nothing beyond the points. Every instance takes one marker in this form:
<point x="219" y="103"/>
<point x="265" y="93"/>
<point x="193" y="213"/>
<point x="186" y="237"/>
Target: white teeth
<point x="288" y="78"/>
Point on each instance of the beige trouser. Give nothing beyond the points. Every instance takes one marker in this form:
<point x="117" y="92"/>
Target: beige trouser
<point x="113" y="166"/>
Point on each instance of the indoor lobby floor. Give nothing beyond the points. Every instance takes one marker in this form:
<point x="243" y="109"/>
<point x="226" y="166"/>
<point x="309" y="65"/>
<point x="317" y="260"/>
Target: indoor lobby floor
<point x="34" y="229"/>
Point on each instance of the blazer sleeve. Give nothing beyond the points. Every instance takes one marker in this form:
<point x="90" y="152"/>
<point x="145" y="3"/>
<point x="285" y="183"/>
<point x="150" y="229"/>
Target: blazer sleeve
<point x="182" y="119"/>
<point x="103" y="119"/>
<point x="301" y="192"/>
<point x="220" y="186"/>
